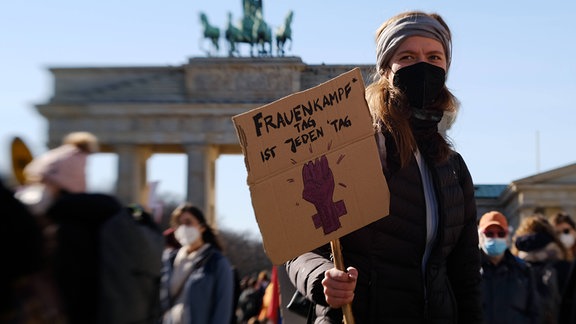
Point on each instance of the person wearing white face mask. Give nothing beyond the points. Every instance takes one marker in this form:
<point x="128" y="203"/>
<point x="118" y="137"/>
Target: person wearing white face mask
<point x="536" y="242"/>
<point x="566" y="230"/>
<point x="508" y="285"/>
<point x="197" y="279"/>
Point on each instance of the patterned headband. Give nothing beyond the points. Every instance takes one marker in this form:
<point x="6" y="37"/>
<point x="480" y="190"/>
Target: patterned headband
<point x="414" y="25"/>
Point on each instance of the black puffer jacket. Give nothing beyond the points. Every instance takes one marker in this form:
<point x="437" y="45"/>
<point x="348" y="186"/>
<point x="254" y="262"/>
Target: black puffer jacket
<point x="392" y="287"/>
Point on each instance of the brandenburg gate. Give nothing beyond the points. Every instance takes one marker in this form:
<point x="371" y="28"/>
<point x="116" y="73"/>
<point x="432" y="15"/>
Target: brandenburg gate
<point x="138" y="111"/>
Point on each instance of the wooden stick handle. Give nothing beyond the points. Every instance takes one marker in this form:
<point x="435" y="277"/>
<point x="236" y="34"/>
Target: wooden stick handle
<point x="339" y="264"/>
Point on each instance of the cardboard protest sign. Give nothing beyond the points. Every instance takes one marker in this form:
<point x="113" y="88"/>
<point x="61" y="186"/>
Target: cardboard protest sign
<point x="313" y="167"/>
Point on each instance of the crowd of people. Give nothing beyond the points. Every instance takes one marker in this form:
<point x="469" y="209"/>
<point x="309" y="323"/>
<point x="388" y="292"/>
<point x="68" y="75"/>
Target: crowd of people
<point x="78" y="257"/>
<point x="525" y="275"/>
<point x="87" y="258"/>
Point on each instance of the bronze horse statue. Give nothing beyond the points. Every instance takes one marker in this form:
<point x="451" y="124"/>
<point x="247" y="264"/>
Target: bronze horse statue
<point x="284" y="34"/>
<point x="210" y="32"/>
<point x="262" y="35"/>
<point x="234" y="35"/>
<point x="252" y="30"/>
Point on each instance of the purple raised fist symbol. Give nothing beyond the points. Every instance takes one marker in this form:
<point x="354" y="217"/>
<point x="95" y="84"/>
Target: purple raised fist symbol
<point x="318" y="190"/>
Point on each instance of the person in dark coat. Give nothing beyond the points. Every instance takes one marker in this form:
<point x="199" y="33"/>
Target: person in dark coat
<point x="509" y="287"/>
<point x="21" y="250"/>
<point x="102" y="259"/>
<point x="537" y="244"/>
<point x="567" y="312"/>
<point x="420" y="263"/>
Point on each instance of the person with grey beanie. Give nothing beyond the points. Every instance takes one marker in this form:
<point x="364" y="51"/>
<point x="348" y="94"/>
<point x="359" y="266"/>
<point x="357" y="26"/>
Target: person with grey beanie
<point x="420" y="263"/>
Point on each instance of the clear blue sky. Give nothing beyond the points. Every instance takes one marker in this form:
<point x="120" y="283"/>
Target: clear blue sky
<point x="513" y="70"/>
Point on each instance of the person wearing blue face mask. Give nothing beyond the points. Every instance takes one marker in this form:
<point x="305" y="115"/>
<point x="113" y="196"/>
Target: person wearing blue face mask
<point x="508" y="283"/>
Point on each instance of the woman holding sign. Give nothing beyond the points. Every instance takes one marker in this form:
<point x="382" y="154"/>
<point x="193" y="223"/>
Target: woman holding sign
<point x="421" y="263"/>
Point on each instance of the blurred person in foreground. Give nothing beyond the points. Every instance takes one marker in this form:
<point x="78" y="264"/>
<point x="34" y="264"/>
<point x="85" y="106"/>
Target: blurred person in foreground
<point x="104" y="265"/>
<point x="509" y="288"/>
<point x="197" y="279"/>
<point x="421" y="263"/>
<point x="54" y="189"/>
<point x="21" y="250"/>
<point x="57" y="172"/>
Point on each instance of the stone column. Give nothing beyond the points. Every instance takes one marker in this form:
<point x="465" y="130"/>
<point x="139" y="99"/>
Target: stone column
<point x="201" y="179"/>
<point x="131" y="180"/>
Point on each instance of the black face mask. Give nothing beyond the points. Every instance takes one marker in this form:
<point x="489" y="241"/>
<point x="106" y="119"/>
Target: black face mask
<point x="421" y="83"/>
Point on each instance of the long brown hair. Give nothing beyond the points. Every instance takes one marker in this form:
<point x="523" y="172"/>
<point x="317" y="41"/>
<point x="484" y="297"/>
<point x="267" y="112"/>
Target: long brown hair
<point x="391" y="113"/>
